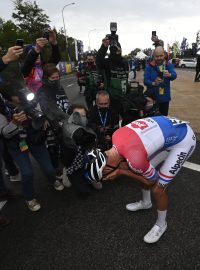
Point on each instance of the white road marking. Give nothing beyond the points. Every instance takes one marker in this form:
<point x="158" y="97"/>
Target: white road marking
<point x="192" y="166"/>
<point x="69" y="85"/>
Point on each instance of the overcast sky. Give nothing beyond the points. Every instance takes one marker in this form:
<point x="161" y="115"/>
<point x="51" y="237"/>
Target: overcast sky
<point x="172" y="19"/>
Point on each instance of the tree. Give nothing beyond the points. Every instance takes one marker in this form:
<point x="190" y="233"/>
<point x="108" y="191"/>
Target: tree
<point x="30" y="17"/>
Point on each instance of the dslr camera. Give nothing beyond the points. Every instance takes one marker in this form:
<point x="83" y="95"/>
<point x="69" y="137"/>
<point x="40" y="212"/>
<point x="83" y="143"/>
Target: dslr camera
<point x="113" y="37"/>
<point x="28" y="104"/>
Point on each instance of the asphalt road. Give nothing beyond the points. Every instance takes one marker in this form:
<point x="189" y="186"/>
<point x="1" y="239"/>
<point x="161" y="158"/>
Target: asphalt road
<point x="70" y="233"/>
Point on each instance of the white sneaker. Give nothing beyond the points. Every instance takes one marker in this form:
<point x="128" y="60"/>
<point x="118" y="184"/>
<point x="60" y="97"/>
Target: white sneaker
<point x="33" y="205"/>
<point x="65" y="179"/>
<point x="58" y="185"/>
<point x="66" y="182"/>
<point x="138" y="206"/>
<point x="154" y="234"/>
<point x="96" y="185"/>
<point x="59" y="177"/>
<point x="15" y="178"/>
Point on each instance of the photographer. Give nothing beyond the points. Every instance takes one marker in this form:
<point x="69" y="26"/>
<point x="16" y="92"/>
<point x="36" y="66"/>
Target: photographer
<point x="52" y="95"/>
<point x="115" y="70"/>
<point x="91" y="78"/>
<point x="103" y="119"/>
<point x="76" y="128"/>
<point x="12" y="54"/>
<point x="81" y="74"/>
<point x="157" y="77"/>
<point x="32" y="68"/>
<point x="138" y="104"/>
<point x="21" y="138"/>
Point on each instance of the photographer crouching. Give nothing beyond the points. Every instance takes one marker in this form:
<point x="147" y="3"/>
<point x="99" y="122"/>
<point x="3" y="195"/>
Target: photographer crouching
<point x="103" y="119"/>
<point x="138" y="104"/>
<point x="114" y="67"/>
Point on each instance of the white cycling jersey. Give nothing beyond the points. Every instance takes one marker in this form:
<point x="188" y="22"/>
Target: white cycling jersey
<point x="147" y="142"/>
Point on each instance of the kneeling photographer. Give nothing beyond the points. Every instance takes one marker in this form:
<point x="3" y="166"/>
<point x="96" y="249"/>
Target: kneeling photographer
<point x="21" y="126"/>
<point x="115" y="68"/>
<point x="103" y="119"/>
<point x="138" y="104"/>
<point x="83" y="137"/>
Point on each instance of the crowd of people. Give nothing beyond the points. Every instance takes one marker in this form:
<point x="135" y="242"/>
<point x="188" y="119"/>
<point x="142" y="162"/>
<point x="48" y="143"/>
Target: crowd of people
<point x="122" y="130"/>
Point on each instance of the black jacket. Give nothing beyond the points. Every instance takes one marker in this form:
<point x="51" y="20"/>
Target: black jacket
<point x="95" y="121"/>
<point x="112" y="70"/>
<point x="2" y="65"/>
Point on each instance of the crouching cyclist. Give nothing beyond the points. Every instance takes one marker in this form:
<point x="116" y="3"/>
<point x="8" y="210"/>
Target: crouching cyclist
<point x="137" y="150"/>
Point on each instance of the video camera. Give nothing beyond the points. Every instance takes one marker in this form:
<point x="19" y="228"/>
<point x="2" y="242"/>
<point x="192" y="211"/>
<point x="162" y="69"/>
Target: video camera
<point x="28" y="104"/>
<point x="113" y="37"/>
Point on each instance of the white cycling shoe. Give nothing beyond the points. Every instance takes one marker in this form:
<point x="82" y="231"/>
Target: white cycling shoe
<point x="154" y="234"/>
<point x="138" y="206"/>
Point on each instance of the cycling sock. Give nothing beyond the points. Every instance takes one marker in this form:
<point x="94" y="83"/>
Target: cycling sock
<point x="146" y="196"/>
<point x="161" y="220"/>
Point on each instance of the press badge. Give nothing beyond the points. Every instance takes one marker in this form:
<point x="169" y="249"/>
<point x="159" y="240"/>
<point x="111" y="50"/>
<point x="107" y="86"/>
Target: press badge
<point x="23" y="146"/>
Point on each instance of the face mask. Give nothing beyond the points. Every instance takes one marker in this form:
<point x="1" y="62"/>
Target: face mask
<point x="55" y="83"/>
<point x="90" y="64"/>
<point x="84" y="121"/>
<point x="103" y="109"/>
<point x="148" y="107"/>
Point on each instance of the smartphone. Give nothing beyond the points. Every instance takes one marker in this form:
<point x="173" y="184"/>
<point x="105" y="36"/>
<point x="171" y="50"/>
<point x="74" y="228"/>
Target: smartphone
<point x="19" y="42"/>
<point x="46" y="34"/>
<point x="160" y="75"/>
<point x="153" y="33"/>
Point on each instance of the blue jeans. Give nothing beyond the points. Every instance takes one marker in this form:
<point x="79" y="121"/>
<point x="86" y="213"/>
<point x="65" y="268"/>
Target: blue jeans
<point x="22" y="159"/>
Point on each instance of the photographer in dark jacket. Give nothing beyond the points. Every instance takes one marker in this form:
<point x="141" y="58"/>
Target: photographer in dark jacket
<point x="12" y="54"/>
<point x="91" y="78"/>
<point x="22" y="138"/>
<point x="32" y="68"/>
<point x="115" y="70"/>
<point x="103" y="119"/>
<point x="52" y="96"/>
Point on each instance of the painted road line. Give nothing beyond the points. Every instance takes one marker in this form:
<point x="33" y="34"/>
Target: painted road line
<point x="192" y="166"/>
<point x="69" y="85"/>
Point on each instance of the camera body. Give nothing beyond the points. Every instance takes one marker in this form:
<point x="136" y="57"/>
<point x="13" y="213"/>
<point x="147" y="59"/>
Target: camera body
<point x="113" y="37"/>
<point x="30" y="107"/>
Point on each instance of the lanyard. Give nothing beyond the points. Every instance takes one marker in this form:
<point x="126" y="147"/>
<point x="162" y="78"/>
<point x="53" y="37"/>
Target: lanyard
<point x="103" y="122"/>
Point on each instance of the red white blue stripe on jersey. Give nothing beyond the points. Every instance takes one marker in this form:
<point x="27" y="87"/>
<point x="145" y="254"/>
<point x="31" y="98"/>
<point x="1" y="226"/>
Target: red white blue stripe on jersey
<point x="165" y="178"/>
<point x="151" y="174"/>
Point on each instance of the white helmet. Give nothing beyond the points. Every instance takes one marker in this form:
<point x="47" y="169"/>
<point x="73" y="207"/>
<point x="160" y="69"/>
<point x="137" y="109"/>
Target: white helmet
<point x="94" y="163"/>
